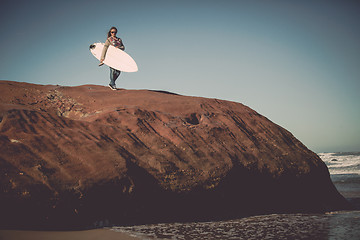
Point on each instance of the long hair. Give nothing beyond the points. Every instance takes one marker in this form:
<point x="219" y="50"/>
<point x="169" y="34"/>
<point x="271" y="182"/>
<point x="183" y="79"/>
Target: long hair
<point x="109" y="33"/>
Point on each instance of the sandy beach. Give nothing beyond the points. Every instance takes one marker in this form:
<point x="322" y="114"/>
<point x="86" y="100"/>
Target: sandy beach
<point x="97" y="234"/>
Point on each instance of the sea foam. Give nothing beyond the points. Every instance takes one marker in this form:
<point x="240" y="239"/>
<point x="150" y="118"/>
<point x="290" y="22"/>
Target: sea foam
<point x="342" y="163"/>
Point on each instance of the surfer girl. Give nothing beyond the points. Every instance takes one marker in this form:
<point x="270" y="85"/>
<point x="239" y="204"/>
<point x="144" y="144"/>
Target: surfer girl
<point x="116" y="42"/>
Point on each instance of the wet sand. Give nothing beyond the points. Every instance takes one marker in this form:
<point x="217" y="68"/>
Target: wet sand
<point x="97" y="234"/>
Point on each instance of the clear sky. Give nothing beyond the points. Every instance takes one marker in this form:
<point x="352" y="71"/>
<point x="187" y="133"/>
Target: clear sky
<point x="295" y="62"/>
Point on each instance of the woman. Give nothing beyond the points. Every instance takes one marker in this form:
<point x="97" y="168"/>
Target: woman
<point x="116" y="42"/>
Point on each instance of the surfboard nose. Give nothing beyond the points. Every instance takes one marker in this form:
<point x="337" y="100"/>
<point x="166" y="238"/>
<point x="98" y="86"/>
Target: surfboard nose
<point x="92" y="46"/>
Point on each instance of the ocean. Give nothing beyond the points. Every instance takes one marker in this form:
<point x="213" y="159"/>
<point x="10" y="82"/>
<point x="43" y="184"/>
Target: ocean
<point x="345" y="173"/>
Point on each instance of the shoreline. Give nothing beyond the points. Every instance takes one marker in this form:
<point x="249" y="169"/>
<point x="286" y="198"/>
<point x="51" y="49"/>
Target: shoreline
<point x="96" y="234"/>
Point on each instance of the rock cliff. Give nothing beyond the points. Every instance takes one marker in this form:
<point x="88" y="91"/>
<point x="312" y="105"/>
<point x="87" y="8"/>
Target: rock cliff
<point x="74" y="156"/>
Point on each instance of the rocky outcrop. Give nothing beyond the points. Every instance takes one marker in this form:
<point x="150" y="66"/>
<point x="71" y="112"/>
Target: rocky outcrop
<point x="73" y="156"/>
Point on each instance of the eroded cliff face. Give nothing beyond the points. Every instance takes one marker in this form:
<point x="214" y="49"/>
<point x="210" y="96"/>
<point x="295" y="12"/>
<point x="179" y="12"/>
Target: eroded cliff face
<point x="70" y="156"/>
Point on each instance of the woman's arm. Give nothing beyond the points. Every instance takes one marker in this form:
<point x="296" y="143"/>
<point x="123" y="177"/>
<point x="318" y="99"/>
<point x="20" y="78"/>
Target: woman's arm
<point x="103" y="54"/>
<point x="122" y="47"/>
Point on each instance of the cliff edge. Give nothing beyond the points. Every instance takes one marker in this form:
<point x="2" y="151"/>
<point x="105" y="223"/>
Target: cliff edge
<point x="74" y="156"/>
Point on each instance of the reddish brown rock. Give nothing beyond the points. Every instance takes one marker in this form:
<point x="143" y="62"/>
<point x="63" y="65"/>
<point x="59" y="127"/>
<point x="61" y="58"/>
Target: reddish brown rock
<point x="70" y="156"/>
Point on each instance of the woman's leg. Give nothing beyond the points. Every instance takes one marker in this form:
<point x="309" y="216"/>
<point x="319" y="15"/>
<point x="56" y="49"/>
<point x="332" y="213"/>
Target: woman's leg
<point x="114" y="74"/>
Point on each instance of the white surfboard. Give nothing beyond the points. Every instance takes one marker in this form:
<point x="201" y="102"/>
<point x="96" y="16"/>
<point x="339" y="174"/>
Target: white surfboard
<point x="115" y="58"/>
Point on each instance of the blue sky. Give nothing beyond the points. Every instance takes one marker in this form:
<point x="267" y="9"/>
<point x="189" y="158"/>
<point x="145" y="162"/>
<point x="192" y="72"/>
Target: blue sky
<point x="295" y="62"/>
